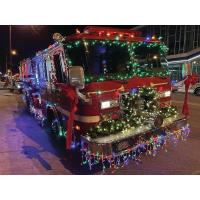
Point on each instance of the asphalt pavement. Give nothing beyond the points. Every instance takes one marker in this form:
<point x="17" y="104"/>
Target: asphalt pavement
<point x="26" y="148"/>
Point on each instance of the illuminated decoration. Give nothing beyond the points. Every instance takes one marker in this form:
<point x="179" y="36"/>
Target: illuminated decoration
<point x="77" y="127"/>
<point x="117" y="38"/>
<point x="78" y="31"/>
<point x="148" y="146"/>
<point x="134" y="91"/>
<point x="183" y="61"/>
<point x="99" y="92"/>
<point x="137" y="109"/>
<point x="147" y="39"/>
<point x="57" y="37"/>
<point x="183" y="71"/>
<point x="135" y="69"/>
<point x="37" y="114"/>
<point x="108" y="34"/>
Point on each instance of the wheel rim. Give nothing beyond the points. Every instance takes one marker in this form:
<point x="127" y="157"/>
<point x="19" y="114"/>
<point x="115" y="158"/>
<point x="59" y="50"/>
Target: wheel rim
<point x="55" y="127"/>
<point x="198" y="92"/>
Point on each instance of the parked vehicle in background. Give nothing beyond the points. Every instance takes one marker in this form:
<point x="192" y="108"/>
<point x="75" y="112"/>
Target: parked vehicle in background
<point x="3" y="78"/>
<point x="174" y="86"/>
<point x="18" y="86"/>
<point x="193" y="89"/>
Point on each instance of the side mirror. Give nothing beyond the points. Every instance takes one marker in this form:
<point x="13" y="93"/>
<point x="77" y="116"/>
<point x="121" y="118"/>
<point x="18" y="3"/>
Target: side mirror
<point x="76" y="77"/>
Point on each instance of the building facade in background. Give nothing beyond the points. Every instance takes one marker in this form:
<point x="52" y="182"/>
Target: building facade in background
<point x="184" y="47"/>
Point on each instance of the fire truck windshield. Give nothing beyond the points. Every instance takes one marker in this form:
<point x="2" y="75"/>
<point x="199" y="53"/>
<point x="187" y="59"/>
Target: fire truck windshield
<point x="100" y="58"/>
<point x="104" y="58"/>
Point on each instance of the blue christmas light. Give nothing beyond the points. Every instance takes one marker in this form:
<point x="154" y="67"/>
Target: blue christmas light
<point x="147" y="38"/>
<point x="134" y="91"/>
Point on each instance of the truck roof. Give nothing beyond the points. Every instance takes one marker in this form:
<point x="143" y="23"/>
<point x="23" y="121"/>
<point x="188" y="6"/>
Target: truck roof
<point x="109" y="33"/>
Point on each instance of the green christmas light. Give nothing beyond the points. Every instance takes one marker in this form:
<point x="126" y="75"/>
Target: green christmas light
<point x="99" y="92"/>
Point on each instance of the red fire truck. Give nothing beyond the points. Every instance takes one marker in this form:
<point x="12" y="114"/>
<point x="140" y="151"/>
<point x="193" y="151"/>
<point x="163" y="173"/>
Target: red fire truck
<point x="107" y="91"/>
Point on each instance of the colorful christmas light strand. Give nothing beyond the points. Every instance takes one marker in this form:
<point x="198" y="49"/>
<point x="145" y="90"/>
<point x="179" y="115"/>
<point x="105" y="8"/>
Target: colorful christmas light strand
<point x="149" y="147"/>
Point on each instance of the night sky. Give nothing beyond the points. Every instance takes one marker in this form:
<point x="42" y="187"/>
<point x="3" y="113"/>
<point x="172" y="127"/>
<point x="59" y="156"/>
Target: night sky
<point x="29" y="39"/>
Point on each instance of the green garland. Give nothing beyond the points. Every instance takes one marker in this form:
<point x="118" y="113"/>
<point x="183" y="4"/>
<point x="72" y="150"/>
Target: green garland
<point x="125" y="76"/>
<point x="131" y="45"/>
<point x="137" y="110"/>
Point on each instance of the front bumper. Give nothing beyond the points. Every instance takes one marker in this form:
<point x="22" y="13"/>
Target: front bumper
<point x="133" y="141"/>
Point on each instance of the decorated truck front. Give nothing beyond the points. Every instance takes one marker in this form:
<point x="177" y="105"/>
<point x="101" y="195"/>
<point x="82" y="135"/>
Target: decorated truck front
<point x="107" y="91"/>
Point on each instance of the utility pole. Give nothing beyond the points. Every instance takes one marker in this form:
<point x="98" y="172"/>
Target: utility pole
<point x="6" y="63"/>
<point x="10" y="53"/>
<point x="10" y="44"/>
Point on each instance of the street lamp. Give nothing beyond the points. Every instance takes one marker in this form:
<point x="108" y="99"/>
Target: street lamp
<point x="13" y="52"/>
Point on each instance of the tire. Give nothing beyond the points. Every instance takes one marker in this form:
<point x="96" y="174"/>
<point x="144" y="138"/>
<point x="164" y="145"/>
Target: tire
<point x="55" y="127"/>
<point x="28" y="105"/>
<point x="53" y="124"/>
<point x="197" y="92"/>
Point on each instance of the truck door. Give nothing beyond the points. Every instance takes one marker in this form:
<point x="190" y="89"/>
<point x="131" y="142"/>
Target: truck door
<point x="59" y="69"/>
<point x="60" y="75"/>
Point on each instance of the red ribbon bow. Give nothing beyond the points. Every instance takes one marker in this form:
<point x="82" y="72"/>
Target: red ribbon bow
<point x="70" y="93"/>
<point x="191" y="79"/>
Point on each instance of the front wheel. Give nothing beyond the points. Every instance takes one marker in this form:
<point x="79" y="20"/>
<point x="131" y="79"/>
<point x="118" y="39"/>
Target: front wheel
<point x="29" y="105"/>
<point x="53" y="125"/>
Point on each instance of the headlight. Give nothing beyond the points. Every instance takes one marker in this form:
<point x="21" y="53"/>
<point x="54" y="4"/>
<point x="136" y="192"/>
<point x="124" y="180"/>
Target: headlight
<point x="165" y="94"/>
<point x="105" y="104"/>
<point x="109" y="104"/>
<point x="18" y="86"/>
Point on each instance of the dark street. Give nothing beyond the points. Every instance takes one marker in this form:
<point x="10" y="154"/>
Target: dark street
<point x="27" y="149"/>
